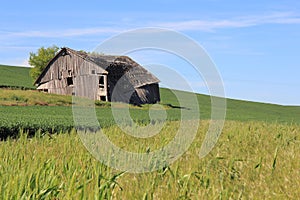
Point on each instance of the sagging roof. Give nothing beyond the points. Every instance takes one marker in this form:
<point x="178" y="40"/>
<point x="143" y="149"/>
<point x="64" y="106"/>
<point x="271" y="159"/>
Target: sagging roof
<point x="133" y="72"/>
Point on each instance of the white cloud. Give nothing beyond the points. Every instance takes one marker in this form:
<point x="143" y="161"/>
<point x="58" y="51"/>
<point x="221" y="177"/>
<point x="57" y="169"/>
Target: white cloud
<point x="201" y="25"/>
<point x="187" y="25"/>
<point x="239" y="22"/>
<point x="16" y="62"/>
<point x="65" y="33"/>
<point x="16" y="48"/>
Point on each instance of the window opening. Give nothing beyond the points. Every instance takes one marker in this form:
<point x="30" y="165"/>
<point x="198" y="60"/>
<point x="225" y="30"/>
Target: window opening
<point x="69" y="81"/>
<point x="101" y="82"/>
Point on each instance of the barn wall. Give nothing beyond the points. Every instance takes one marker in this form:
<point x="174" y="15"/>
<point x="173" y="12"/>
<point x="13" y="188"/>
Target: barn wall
<point x="86" y="86"/>
<point x="56" y="87"/>
<point x="142" y="95"/>
<point x="71" y="65"/>
<point x="148" y="93"/>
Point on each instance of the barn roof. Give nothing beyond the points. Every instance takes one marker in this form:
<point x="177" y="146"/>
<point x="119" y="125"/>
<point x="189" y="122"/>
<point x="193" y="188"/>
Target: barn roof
<point x="133" y="72"/>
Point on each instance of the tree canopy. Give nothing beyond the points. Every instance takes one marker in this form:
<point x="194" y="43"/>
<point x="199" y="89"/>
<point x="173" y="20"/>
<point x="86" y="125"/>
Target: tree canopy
<point x="40" y="59"/>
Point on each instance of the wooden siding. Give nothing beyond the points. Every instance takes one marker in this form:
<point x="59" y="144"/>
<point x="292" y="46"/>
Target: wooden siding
<point x="70" y="65"/>
<point x="83" y="73"/>
<point x="144" y="94"/>
<point x="86" y="86"/>
<point x="148" y="93"/>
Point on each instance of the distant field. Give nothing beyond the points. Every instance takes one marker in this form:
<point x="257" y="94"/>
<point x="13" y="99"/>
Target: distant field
<point x="12" y="76"/>
<point x="242" y="110"/>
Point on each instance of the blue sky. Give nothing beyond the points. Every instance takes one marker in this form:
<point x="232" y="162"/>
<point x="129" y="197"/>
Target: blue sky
<point x="254" y="44"/>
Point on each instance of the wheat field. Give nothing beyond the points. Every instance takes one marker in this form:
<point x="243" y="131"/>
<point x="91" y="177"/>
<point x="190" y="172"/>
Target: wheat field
<point x="252" y="160"/>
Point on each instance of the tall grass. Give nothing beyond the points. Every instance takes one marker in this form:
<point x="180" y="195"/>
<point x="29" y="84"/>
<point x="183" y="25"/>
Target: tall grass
<point x="252" y="160"/>
<point x="52" y="167"/>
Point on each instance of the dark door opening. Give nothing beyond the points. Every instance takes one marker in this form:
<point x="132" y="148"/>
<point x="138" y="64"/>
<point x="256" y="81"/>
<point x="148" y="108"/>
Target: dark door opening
<point x="69" y="81"/>
<point x="101" y="81"/>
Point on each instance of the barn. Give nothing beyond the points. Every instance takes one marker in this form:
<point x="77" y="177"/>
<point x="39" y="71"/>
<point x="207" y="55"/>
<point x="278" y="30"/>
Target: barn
<point x="99" y="77"/>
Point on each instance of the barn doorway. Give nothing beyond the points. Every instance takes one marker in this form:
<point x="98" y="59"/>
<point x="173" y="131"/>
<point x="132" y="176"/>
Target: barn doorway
<point x="101" y="81"/>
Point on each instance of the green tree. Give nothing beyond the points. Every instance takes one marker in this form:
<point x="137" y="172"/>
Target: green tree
<point x="40" y="59"/>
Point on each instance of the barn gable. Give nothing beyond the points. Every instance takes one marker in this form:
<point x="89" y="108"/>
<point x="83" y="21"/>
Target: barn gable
<point x="66" y="62"/>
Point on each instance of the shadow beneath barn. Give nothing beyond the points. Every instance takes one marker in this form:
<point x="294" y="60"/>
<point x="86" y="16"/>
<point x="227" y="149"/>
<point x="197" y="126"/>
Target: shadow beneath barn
<point x="177" y="107"/>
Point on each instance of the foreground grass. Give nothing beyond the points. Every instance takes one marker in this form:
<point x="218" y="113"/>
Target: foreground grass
<point x="252" y="160"/>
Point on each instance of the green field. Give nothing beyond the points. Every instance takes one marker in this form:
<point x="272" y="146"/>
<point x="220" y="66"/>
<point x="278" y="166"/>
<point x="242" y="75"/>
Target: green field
<point x="256" y="157"/>
<point x="252" y="160"/>
<point x="31" y="110"/>
<point x="16" y="77"/>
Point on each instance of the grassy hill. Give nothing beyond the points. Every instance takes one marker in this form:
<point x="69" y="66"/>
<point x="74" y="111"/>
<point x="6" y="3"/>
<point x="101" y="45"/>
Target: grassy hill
<point x="32" y="110"/>
<point x="242" y="110"/>
<point x="236" y="109"/>
<point x="16" y="77"/>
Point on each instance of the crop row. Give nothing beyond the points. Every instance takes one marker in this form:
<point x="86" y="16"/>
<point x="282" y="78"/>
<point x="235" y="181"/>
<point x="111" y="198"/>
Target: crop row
<point x="30" y="119"/>
<point x="52" y="119"/>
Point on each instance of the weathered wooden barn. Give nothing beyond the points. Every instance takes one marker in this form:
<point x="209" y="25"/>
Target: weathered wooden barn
<point x="98" y="77"/>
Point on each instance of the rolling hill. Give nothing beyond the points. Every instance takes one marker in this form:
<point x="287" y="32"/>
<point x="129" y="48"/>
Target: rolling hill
<point x="16" y="77"/>
<point x="236" y="109"/>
